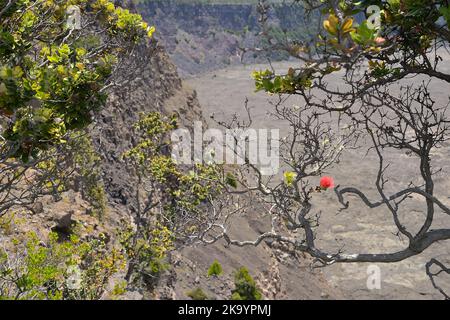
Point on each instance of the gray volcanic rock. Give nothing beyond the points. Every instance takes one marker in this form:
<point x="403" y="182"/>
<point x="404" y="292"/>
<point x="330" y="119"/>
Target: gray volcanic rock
<point x="201" y="36"/>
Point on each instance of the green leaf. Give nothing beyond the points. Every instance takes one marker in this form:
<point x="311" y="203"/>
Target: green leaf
<point x="445" y="11"/>
<point x="231" y="180"/>
<point x="289" y="177"/>
<point x="363" y="35"/>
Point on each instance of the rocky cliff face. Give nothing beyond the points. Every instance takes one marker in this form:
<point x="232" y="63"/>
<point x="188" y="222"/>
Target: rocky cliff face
<point x="204" y="36"/>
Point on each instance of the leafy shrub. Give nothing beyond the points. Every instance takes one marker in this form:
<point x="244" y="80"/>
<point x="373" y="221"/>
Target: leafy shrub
<point x="245" y="286"/>
<point x="7" y="223"/>
<point x="146" y="250"/>
<point x="57" y="270"/>
<point x="175" y="190"/>
<point x="215" y="269"/>
<point x="197" y="294"/>
<point x="53" y="79"/>
<point x="119" y="289"/>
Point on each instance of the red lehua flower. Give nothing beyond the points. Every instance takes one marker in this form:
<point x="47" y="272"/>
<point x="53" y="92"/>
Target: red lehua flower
<point x="326" y="182"/>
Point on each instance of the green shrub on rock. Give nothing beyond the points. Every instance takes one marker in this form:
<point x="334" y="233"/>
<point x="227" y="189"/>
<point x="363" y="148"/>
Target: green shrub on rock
<point x="245" y="286"/>
<point x="197" y="294"/>
<point x="215" y="269"/>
